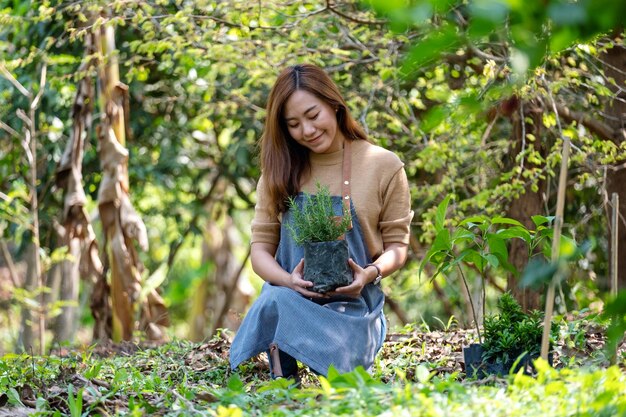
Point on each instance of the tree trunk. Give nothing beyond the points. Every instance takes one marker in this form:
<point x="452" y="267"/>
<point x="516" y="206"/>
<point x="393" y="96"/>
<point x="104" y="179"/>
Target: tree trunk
<point x="26" y="338"/>
<point x="76" y="230"/>
<point x="66" y="323"/>
<point x="34" y="277"/>
<point x="529" y="203"/>
<point x="121" y="223"/>
<point x="615" y="67"/>
<point x="219" y="298"/>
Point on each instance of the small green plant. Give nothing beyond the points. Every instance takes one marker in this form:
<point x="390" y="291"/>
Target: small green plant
<point x="481" y="242"/>
<point x="315" y="221"/>
<point x="75" y="403"/>
<point x="512" y="332"/>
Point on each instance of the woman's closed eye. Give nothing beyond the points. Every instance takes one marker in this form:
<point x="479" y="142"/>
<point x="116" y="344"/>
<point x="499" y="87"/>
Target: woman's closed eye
<point x="295" y="125"/>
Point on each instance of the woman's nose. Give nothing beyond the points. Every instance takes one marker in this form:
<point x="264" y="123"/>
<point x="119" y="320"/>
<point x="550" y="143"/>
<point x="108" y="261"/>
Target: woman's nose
<point x="308" y="129"/>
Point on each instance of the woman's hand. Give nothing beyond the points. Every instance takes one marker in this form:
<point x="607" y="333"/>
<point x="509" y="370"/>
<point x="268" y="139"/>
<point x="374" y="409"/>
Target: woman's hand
<point x="361" y="279"/>
<point x="297" y="282"/>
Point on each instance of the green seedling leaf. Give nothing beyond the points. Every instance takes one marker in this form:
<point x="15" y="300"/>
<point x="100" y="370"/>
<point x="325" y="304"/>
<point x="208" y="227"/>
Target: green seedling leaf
<point x="474" y="257"/>
<point x="440" y="217"/>
<point x="515" y="232"/>
<point x="539" y="220"/>
<point x="497" y="246"/>
<point x="473" y="221"/>
<point x="14" y="397"/>
<point x="75" y="403"/>
<point x="274" y="384"/>
<point x="492" y="260"/>
<point x="422" y="373"/>
<point x="462" y="235"/>
<point x="235" y="384"/>
<point x="506" y="220"/>
<point x="442" y="241"/>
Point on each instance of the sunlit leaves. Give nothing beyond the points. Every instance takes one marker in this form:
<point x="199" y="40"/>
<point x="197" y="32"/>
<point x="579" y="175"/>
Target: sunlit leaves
<point x="431" y="47"/>
<point x="183" y="379"/>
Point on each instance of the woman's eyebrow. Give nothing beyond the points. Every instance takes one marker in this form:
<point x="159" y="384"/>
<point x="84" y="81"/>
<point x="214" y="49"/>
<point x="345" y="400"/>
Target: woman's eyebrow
<point x="305" y="112"/>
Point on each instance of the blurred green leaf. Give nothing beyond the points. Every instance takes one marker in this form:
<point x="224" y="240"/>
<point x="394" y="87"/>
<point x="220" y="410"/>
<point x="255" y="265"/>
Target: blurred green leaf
<point x="433" y="118"/>
<point x="537" y="273"/>
<point x="515" y="232"/>
<point x="539" y="220"/>
<point x="436" y="43"/>
<point x="440" y="218"/>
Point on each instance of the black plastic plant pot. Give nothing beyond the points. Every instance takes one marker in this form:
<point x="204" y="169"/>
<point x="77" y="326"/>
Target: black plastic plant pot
<point x="477" y="367"/>
<point x="326" y="265"/>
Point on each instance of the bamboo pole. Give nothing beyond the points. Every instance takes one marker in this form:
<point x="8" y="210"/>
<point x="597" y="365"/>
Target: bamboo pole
<point x="556" y="243"/>
<point x="614" y="242"/>
<point x="29" y="143"/>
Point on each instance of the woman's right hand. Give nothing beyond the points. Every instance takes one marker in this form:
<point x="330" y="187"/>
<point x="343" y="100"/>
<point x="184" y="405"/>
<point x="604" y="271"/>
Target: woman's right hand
<point x="299" y="284"/>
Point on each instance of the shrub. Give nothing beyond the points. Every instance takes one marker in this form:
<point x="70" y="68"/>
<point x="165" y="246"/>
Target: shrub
<point x="512" y="332"/>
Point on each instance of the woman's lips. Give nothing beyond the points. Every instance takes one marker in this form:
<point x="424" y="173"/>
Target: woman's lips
<point x="314" y="140"/>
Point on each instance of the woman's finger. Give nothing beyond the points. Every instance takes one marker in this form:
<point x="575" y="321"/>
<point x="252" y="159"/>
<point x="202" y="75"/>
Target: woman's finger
<point x="302" y="283"/>
<point x="300" y="267"/>
<point x="355" y="267"/>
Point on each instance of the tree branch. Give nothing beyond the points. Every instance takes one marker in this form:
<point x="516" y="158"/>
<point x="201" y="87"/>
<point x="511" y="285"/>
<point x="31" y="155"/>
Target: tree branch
<point x="9" y="260"/>
<point x="192" y="223"/>
<point x="4" y="71"/>
<point x="596" y="126"/>
<point x="9" y="129"/>
<point x="230" y="291"/>
<point x="330" y="7"/>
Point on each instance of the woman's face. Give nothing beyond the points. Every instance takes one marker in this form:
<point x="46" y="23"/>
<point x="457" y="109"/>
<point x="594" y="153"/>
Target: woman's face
<point x="312" y="123"/>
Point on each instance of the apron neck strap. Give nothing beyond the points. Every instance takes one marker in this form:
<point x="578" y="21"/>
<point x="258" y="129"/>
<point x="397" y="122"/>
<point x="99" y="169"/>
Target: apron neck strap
<point x="346" y="173"/>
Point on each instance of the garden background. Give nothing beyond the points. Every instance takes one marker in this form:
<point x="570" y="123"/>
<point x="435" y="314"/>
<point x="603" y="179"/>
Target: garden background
<point x="129" y="159"/>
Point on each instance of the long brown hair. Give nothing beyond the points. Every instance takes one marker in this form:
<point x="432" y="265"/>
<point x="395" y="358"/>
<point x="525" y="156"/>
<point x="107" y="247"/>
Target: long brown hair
<point x="283" y="160"/>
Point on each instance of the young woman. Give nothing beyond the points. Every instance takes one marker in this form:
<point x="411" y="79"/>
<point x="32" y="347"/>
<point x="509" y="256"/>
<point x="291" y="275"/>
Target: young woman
<point x="311" y="137"/>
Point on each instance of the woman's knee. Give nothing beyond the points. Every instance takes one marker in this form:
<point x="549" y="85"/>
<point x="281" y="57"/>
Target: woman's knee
<point x="274" y="293"/>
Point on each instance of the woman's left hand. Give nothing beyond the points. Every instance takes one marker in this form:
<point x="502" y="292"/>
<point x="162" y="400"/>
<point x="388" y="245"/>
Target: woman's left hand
<point x="358" y="283"/>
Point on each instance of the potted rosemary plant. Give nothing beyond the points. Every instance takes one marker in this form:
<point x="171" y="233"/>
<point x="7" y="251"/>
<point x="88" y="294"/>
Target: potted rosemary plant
<point x="321" y="233"/>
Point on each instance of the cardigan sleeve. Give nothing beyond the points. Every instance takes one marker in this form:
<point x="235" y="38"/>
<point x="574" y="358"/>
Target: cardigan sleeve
<point x="265" y="227"/>
<point x="396" y="213"/>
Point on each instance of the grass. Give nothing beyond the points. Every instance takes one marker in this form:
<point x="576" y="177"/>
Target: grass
<point x="417" y="373"/>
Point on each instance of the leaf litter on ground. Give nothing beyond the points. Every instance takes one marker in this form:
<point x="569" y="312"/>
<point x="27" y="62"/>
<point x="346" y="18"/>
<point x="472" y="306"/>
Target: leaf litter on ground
<point x="416" y="371"/>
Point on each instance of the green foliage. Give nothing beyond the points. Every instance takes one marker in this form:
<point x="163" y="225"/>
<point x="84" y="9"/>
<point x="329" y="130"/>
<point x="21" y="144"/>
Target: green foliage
<point x="180" y="379"/>
<point x="512" y="332"/>
<point x="539" y="271"/>
<point x="199" y="74"/>
<point x="615" y="311"/>
<point x="75" y="403"/>
<point x="315" y="221"/>
<point x="482" y="241"/>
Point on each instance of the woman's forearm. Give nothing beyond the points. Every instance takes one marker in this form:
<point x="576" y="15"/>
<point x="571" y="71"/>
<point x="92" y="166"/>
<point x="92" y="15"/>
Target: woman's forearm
<point x="264" y="265"/>
<point x="392" y="259"/>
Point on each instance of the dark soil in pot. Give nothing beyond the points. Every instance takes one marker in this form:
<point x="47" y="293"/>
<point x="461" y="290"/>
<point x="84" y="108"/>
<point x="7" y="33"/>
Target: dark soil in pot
<point x="326" y="265"/>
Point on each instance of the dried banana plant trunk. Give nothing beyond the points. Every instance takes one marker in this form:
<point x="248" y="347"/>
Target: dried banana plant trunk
<point x="121" y="224"/>
<point x="75" y="230"/>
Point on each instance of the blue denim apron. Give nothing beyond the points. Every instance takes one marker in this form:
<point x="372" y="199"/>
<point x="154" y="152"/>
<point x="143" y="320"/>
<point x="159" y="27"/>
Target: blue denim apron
<point x="341" y="331"/>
